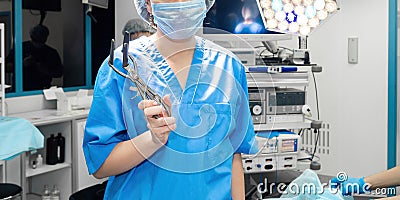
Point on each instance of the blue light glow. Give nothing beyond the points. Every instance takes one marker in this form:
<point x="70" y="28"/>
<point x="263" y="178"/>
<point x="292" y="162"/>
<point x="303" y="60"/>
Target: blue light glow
<point x="291" y="17"/>
<point x="277" y="5"/>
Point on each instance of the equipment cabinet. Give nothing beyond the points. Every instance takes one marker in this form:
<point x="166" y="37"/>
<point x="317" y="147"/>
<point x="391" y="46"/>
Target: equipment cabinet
<point x="70" y="176"/>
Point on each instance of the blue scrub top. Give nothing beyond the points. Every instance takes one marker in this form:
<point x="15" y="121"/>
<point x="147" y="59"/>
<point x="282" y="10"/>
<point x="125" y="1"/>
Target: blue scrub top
<point x="213" y="123"/>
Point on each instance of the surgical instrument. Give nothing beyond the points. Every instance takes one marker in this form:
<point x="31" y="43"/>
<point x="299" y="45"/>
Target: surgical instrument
<point x="144" y="90"/>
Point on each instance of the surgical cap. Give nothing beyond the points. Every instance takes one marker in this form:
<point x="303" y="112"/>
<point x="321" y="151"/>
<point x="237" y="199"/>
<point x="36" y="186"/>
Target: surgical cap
<point x="142" y="9"/>
<point x="39" y="33"/>
<point x="136" y="26"/>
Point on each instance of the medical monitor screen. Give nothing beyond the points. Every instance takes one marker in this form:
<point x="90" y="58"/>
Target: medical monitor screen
<point x="44" y="5"/>
<point x="236" y="17"/>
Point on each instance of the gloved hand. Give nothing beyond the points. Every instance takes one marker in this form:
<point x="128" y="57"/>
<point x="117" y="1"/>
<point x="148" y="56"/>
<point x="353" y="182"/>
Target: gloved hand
<point x="162" y="126"/>
<point x="349" y="185"/>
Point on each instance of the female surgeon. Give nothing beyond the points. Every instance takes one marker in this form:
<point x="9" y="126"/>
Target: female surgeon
<point x="194" y="153"/>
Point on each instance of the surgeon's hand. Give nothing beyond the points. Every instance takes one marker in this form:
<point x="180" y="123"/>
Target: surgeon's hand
<point x="160" y="127"/>
<point x="350" y="185"/>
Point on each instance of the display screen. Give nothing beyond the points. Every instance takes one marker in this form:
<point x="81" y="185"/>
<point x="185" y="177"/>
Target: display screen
<point x="236" y="17"/>
<point x="43" y="5"/>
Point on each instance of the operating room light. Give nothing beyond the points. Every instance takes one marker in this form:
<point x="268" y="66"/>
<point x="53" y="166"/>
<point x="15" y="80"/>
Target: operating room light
<point x="314" y="22"/>
<point x="280" y="16"/>
<point x="331" y="6"/>
<point x="322" y="14"/>
<point x="305" y="30"/>
<point x="296" y="16"/>
<point x="283" y="25"/>
<point x="265" y="3"/>
<point x="307" y="2"/>
<point x="277" y="5"/>
<point x="310" y="12"/>
<point x="269" y="14"/>
<point x="272" y="24"/>
<point x="296" y="2"/>
<point x="302" y="19"/>
<point x="294" y="27"/>
<point x="288" y="7"/>
<point x="299" y="10"/>
<point x="291" y="17"/>
<point x="319" y="4"/>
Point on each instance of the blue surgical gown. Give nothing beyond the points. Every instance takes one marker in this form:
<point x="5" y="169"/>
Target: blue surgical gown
<point x="213" y="123"/>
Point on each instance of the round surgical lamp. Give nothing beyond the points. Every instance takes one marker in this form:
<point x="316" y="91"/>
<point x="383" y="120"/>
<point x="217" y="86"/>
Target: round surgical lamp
<point x="299" y="17"/>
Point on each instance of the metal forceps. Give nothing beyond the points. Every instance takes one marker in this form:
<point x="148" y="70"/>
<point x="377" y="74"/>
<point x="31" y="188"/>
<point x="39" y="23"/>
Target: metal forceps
<point x="144" y="90"/>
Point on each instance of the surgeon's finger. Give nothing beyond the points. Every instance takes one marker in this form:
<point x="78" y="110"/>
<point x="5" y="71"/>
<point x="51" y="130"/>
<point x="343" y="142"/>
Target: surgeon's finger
<point x="167" y="100"/>
<point x="152" y="111"/>
<point x="159" y="131"/>
<point x="146" y="104"/>
<point x="162" y="121"/>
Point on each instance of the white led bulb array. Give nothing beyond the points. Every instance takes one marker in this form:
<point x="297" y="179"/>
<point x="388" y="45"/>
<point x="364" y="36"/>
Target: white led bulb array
<point x="295" y="16"/>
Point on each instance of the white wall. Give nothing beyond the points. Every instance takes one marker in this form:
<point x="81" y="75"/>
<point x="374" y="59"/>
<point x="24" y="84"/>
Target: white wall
<point x="124" y="11"/>
<point x="353" y="98"/>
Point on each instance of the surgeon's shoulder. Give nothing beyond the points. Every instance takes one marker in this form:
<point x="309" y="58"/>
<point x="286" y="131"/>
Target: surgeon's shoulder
<point x="140" y="45"/>
<point x="136" y="47"/>
<point x="106" y="76"/>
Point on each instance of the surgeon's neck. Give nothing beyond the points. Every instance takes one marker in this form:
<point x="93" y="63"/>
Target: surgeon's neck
<point x="168" y="47"/>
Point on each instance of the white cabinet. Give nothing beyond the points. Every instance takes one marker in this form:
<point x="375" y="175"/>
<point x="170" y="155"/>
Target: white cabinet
<point x="69" y="176"/>
<point x="83" y="179"/>
<point x="59" y="174"/>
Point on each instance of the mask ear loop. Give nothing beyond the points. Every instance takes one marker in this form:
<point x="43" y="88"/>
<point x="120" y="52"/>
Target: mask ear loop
<point x="151" y="20"/>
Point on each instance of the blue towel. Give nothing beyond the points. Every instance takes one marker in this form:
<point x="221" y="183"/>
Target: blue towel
<point x="17" y="136"/>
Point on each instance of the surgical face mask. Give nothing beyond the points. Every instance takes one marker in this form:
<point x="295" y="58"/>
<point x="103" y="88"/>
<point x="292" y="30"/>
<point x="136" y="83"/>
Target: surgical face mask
<point x="179" y="20"/>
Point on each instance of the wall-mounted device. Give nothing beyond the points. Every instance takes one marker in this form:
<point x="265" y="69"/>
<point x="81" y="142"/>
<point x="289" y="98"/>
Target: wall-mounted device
<point x="97" y="3"/>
